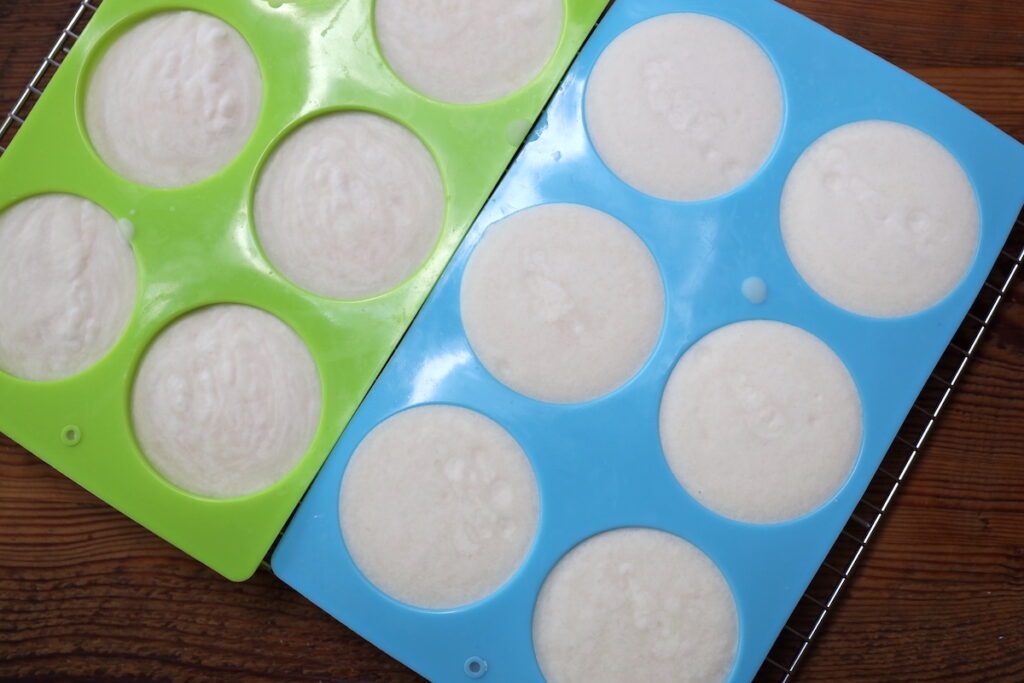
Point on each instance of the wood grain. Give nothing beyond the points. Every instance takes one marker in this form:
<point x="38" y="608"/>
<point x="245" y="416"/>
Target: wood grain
<point x="87" y="594"/>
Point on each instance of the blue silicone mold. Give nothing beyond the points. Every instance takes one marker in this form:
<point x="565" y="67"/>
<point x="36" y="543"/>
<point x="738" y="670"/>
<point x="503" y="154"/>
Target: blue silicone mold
<point x="599" y="465"/>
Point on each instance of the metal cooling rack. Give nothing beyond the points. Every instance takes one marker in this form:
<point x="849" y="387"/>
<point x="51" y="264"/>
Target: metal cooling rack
<point x="822" y="594"/>
<point x="83" y="12"/>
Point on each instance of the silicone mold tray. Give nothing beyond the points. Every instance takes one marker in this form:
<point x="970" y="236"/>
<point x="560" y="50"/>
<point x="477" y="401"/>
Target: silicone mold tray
<point x="195" y="246"/>
<point x="599" y="465"/>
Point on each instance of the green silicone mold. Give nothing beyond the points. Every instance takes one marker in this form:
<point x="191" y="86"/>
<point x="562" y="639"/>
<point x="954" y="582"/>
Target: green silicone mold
<point x="196" y="246"/>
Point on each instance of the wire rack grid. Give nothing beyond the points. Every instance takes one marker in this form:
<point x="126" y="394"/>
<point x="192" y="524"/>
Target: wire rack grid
<point x="822" y="594"/>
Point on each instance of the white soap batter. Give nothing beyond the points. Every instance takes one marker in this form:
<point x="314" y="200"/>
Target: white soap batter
<point x="562" y="303"/>
<point x="174" y="99"/>
<point x="468" y="51"/>
<point x="438" y="506"/>
<point x="67" y="286"/>
<point x="226" y="401"/>
<point x="761" y="421"/>
<point x="684" y="107"/>
<point x="349" y="205"/>
<point x="635" y="605"/>
<point x="880" y="219"/>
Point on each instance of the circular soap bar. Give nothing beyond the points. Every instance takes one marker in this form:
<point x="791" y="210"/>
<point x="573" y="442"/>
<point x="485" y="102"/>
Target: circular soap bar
<point x="174" y="99"/>
<point x="67" y="286"/>
<point x="684" y="107"/>
<point x="761" y="421"/>
<point x="468" y="51"/>
<point x="226" y="401"/>
<point x="880" y="219"/>
<point x="349" y="205"/>
<point x="635" y="605"/>
<point x="438" y="506"/>
<point x="562" y="303"/>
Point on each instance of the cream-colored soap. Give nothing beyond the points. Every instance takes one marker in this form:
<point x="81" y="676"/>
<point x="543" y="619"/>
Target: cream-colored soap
<point x="468" y="51"/>
<point x="174" y="99"/>
<point x="67" y="286"/>
<point x="226" y="401"/>
<point x="880" y="219"/>
<point x="761" y="421"/>
<point x="562" y="303"/>
<point x="438" y="506"/>
<point x="635" y="605"/>
<point x="349" y="205"/>
<point x="684" y="107"/>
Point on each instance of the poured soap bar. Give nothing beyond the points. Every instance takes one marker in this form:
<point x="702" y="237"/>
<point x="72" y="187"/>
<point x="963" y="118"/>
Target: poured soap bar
<point x="684" y="107"/>
<point x="468" y="51"/>
<point x="350" y="205"/>
<point x="761" y="422"/>
<point x="174" y="99"/>
<point x="880" y="219"/>
<point x="438" y="506"/>
<point x="635" y="605"/>
<point x="226" y="401"/>
<point x="67" y="286"/>
<point x="562" y="303"/>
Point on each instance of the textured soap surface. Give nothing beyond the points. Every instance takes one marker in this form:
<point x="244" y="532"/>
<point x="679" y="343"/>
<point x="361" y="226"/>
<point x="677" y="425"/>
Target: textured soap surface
<point x="174" y="99"/>
<point x="349" y="205"/>
<point x="880" y="219"/>
<point x="468" y="51"/>
<point x="684" y="107"/>
<point x="226" y="401"/>
<point x="67" y="286"/>
<point x="761" y="421"/>
<point x="635" y="605"/>
<point x="438" y="506"/>
<point x="562" y="302"/>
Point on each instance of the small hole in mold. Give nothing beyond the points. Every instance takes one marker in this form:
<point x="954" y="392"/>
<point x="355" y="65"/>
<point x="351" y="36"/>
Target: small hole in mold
<point x="476" y="667"/>
<point x="71" y="435"/>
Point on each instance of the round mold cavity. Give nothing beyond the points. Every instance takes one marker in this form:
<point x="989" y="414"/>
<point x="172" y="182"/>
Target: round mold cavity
<point x="880" y="219"/>
<point x="438" y="506"/>
<point x="562" y="303"/>
<point x="761" y="422"/>
<point x="349" y="204"/>
<point x="68" y="286"/>
<point x="226" y="401"/>
<point x="684" y="107"/>
<point x="171" y="99"/>
<point x="635" y="604"/>
<point x="468" y="51"/>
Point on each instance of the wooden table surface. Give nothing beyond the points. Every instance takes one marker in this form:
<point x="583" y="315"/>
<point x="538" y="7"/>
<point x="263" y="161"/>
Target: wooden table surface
<point x="86" y="593"/>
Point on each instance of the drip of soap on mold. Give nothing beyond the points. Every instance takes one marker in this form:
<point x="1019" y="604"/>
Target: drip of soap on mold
<point x="755" y="290"/>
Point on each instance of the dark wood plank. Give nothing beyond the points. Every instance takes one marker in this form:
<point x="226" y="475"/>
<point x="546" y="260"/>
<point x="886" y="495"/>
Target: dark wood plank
<point x="85" y="593"/>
